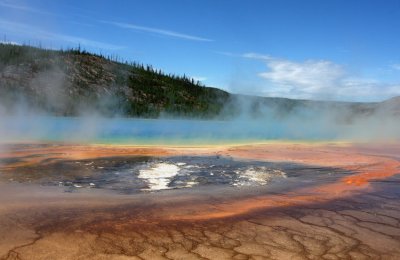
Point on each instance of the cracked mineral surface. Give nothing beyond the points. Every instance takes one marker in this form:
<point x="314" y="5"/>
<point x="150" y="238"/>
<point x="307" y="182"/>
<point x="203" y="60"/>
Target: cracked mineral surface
<point x="266" y="201"/>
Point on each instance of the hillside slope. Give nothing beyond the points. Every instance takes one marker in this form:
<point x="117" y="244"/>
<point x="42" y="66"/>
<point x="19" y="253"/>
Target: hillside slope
<point x="69" y="82"/>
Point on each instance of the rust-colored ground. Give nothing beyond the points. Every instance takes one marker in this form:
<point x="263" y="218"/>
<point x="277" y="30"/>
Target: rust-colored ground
<point x="354" y="217"/>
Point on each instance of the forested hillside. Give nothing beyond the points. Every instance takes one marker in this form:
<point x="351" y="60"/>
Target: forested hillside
<point x="69" y="82"/>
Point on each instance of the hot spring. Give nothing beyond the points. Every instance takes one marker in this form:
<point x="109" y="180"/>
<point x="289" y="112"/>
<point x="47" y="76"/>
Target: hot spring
<point x="127" y="173"/>
<point x="158" y="131"/>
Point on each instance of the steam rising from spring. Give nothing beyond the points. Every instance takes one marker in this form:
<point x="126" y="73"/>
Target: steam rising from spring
<point x="304" y="123"/>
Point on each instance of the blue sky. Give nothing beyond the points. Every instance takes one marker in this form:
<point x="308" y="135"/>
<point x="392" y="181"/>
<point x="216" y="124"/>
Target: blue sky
<point x="336" y="50"/>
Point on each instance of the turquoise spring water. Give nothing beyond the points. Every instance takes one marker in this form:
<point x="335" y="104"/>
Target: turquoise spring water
<point x="157" y="131"/>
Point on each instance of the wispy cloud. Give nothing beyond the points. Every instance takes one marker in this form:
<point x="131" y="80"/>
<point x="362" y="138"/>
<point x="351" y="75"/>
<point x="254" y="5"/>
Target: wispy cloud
<point x="24" y="30"/>
<point x="158" y="31"/>
<point x="249" y="55"/>
<point x="23" y="8"/>
<point x="396" y="66"/>
<point x="256" y="56"/>
<point x="228" y="54"/>
<point x="317" y="79"/>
